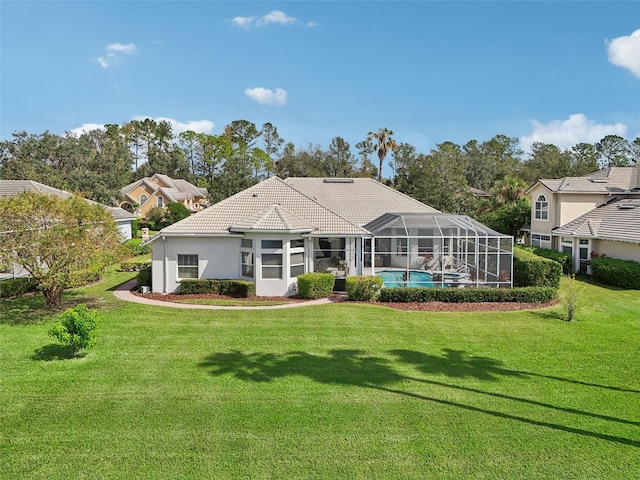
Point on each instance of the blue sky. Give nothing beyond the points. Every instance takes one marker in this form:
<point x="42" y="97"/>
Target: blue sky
<point x="550" y="71"/>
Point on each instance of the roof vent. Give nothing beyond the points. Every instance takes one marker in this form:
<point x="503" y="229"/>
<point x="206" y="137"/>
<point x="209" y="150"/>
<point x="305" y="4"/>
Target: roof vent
<point x="599" y="180"/>
<point x="626" y="206"/>
<point x="337" y="180"/>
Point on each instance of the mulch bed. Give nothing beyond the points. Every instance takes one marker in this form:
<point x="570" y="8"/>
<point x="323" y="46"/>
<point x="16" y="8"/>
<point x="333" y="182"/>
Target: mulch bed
<point x="417" y="307"/>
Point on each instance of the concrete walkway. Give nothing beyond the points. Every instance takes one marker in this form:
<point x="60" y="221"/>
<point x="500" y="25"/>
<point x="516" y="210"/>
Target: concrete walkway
<point x="123" y="292"/>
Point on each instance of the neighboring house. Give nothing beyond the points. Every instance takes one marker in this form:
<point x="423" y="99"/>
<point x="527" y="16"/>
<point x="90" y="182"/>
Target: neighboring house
<point x="278" y="229"/>
<point x="591" y="215"/>
<point x="10" y="188"/>
<point x="159" y="191"/>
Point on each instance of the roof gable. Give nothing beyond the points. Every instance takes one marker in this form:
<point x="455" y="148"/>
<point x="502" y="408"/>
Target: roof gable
<point x="274" y="218"/>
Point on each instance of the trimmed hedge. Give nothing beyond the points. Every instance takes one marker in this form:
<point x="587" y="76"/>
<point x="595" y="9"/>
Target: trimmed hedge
<point x="135" y="247"/>
<point x="563" y="259"/>
<point x="134" y="266"/>
<point x="530" y="270"/>
<point x="364" y="288"/>
<point x="17" y="286"/>
<point x="83" y="277"/>
<point x="144" y="277"/>
<point x="473" y="295"/>
<point x="315" y="285"/>
<point x="234" y="288"/>
<point x="618" y="273"/>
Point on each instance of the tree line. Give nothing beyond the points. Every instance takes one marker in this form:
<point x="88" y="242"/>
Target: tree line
<point x="100" y="162"/>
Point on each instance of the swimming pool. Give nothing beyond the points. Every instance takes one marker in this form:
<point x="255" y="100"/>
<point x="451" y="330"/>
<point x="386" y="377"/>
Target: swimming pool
<point x="406" y="278"/>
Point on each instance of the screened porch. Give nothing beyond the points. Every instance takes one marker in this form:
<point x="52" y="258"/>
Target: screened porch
<point x="437" y="250"/>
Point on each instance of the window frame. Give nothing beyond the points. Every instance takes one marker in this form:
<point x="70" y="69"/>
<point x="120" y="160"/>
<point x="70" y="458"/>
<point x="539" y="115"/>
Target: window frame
<point x="180" y="267"/>
<point x="541" y="208"/>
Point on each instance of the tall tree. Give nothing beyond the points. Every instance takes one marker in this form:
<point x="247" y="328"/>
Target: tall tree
<point x="614" y="152"/>
<point x="367" y="169"/>
<point x="273" y="144"/>
<point x="384" y="144"/>
<point x="52" y="237"/>
<point x="584" y="159"/>
<point x="546" y="161"/>
<point x="481" y="168"/>
<point x="339" y="161"/>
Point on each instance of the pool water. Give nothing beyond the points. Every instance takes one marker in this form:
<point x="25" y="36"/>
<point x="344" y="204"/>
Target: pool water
<point x="406" y="278"/>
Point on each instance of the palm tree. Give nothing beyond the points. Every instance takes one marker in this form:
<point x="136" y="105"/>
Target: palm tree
<point x="509" y="189"/>
<point x="384" y="144"/>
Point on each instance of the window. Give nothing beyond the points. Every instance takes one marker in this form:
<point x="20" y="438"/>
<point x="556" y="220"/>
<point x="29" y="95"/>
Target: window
<point x="247" y="264"/>
<point x="539" y="240"/>
<point x="542" y="208"/>
<point x="160" y="202"/>
<point x="296" y="264"/>
<point x="297" y="243"/>
<point x="247" y="243"/>
<point x="187" y="266"/>
<point x="271" y="265"/>
<point x="271" y="244"/>
<point x="143" y="198"/>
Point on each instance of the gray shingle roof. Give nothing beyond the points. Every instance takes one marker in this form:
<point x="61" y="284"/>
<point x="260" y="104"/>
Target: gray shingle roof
<point x="613" y="180"/>
<point x="11" y="188"/>
<point x="360" y="200"/>
<point x="248" y="205"/>
<point x="617" y="220"/>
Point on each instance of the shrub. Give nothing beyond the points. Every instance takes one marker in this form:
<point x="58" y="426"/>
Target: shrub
<point x="571" y="297"/>
<point x="76" y="328"/>
<point x="364" y="288"/>
<point x="135" y="247"/>
<point x="619" y="273"/>
<point x="234" y="288"/>
<point x="144" y="277"/>
<point x="531" y="270"/>
<point x="315" y="285"/>
<point x="563" y="259"/>
<point x="17" y="286"/>
<point x="83" y="277"/>
<point x="134" y="266"/>
<point x="473" y="295"/>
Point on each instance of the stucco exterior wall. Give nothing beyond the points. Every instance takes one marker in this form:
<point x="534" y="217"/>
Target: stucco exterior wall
<point x="572" y="206"/>
<point x="542" y="226"/>
<point x="217" y="258"/>
<point x="620" y="250"/>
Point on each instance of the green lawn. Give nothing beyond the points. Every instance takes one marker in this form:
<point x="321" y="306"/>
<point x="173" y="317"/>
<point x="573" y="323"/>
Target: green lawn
<point x="336" y="391"/>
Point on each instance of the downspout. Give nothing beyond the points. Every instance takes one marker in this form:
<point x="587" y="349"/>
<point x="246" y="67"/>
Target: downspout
<point x="165" y="266"/>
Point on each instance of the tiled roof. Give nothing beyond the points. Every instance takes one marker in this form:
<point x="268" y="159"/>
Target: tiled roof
<point x="612" y="180"/>
<point x="248" y="204"/>
<point x="274" y="218"/>
<point x="617" y="220"/>
<point x="360" y="200"/>
<point x="177" y="189"/>
<point x="11" y="188"/>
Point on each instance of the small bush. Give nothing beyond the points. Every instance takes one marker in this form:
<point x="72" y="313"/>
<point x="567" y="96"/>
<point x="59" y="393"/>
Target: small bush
<point x="134" y="266"/>
<point x="473" y="295"/>
<point x="76" y="328"/>
<point x="135" y="247"/>
<point x="144" y="277"/>
<point x="17" y="286"/>
<point x="531" y="270"/>
<point x="364" y="288"/>
<point x="618" y="273"/>
<point x="315" y="285"/>
<point x="234" y="288"/>
<point x="563" y="259"/>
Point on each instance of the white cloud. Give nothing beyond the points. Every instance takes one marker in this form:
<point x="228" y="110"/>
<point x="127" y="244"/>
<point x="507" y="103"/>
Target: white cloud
<point x="115" y="52"/>
<point x="267" y="96"/>
<point x="276" y="17"/>
<point x="625" y="52"/>
<point x="86" y="128"/>
<point x="198" y="126"/>
<point x="567" y="133"/>
<point x="128" y="49"/>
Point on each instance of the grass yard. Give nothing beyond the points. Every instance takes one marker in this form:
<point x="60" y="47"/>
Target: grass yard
<point x="323" y="392"/>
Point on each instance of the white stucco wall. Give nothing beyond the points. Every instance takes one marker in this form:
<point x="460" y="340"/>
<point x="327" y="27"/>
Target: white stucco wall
<point x="217" y="258"/>
<point x="574" y="206"/>
<point x="125" y="229"/>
